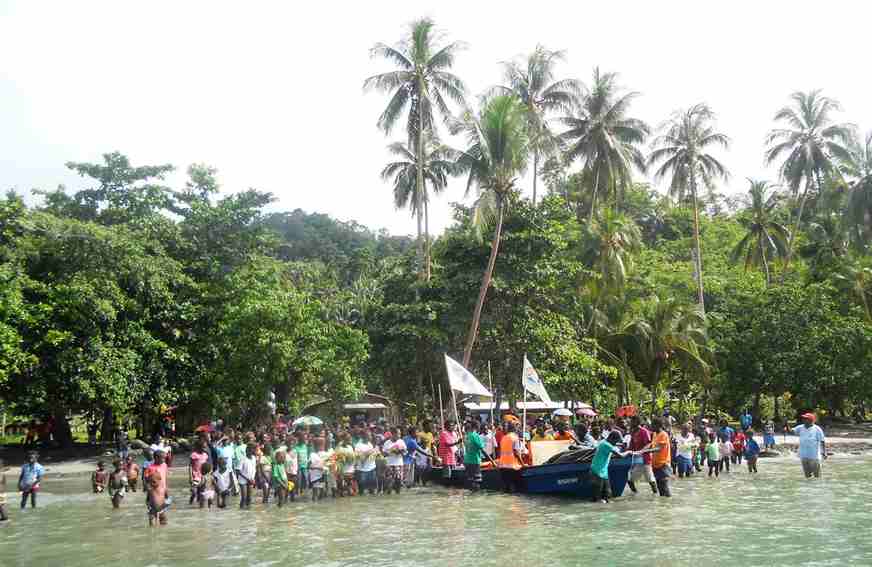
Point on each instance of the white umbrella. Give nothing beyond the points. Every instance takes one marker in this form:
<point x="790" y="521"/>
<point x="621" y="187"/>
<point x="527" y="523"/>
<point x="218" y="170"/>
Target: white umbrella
<point x="562" y="412"/>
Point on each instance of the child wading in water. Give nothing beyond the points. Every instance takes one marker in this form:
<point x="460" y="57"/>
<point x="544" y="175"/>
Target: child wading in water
<point x="132" y="470"/>
<point x="222" y="480"/>
<point x="28" y="480"/>
<point x="99" y="478"/>
<point x="713" y="455"/>
<point x="246" y="471"/>
<point x="317" y="468"/>
<point x="117" y="484"/>
<point x="207" y="494"/>
<point x="280" y="478"/>
<point x="196" y="477"/>
<point x="726" y="448"/>
<point x="156" y="499"/>
<point x="752" y="451"/>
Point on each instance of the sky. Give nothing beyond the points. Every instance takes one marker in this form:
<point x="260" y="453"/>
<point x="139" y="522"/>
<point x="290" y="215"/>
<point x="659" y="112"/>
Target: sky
<point x="271" y="94"/>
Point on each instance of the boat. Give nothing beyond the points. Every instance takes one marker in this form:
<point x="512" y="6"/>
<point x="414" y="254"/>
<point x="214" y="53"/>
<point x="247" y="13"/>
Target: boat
<point x="566" y="473"/>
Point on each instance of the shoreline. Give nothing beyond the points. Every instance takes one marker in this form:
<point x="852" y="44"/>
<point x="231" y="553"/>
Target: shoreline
<point x="83" y="465"/>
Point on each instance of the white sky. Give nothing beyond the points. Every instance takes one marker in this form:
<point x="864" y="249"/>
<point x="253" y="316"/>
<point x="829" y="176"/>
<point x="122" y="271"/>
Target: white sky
<point x="270" y="92"/>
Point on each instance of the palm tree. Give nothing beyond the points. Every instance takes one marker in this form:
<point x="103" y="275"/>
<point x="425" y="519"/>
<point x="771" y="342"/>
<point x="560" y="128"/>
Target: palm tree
<point x="438" y="166"/>
<point x="532" y="81"/>
<point x="765" y="238"/>
<point x="827" y="246"/>
<point x="606" y="139"/>
<point x="421" y="83"/>
<point x="666" y="331"/>
<point x="859" y="168"/>
<point x="683" y="150"/>
<point x="857" y="280"/>
<point x="807" y="147"/>
<point x="608" y="247"/>
<point x="497" y="152"/>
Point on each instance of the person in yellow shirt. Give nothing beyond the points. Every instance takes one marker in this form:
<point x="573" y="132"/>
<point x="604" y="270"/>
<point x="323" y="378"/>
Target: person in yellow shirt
<point x="541" y="435"/>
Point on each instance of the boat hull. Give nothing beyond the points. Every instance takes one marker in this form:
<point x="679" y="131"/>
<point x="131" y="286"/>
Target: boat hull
<point x="569" y="479"/>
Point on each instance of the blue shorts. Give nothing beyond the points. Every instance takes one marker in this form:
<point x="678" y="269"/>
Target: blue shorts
<point x="684" y="464"/>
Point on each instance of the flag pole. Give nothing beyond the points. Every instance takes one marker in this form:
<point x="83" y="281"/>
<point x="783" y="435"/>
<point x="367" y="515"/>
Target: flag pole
<point x="524" y="418"/>
<point x="441" y="412"/>
<point x="490" y="384"/>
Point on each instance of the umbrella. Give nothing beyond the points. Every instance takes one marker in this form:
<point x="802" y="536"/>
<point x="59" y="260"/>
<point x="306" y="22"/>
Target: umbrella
<point x="206" y="427"/>
<point x="512" y="418"/>
<point x="587" y="411"/>
<point x="562" y="412"/>
<point x="307" y="420"/>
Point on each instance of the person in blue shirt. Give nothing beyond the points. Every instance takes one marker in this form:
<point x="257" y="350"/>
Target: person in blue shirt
<point x="28" y="482"/>
<point x="725" y="433"/>
<point x="746" y="420"/>
<point x="601" y="490"/>
<point x="412" y="447"/>
<point x="752" y="451"/>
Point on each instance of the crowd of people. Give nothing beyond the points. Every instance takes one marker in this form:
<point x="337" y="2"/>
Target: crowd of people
<point x="279" y="464"/>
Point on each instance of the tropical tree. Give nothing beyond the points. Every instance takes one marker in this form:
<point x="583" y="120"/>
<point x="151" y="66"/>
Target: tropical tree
<point x="859" y="168"/>
<point x="497" y="152"/>
<point x="807" y="146"/>
<point x="765" y="238"/>
<point x="856" y="279"/>
<point x="666" y="333"/>
<point x="421" y="85"/>
<point x="683" y="153"/>
<point x="533" y="82"/>
<point x="605" y="139"/>
<point x="438" y="166"/>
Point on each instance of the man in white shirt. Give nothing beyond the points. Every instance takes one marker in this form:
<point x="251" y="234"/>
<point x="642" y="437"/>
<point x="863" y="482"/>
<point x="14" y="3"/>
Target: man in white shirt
<point x="394" y="449"/>
<point x="812" y="445"/>
<point x="686" y="442"/>
<point x="365" y="453"/>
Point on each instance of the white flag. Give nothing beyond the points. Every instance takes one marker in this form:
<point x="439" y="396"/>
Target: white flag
<point x="532" y="382"/>
<point x="462" y="379"/>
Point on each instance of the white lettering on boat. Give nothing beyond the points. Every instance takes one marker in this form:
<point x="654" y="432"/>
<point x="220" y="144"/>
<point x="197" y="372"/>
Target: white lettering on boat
<point x="567" y="481"/>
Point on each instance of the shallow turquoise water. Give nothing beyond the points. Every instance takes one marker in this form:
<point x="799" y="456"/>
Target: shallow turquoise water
<point x="776" y="518"/>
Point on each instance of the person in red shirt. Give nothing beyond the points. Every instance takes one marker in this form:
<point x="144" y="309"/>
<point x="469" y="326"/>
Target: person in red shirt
<point x="448" y="439"/>
<point x="739" y="440"/>
<point x="640" y="438"/>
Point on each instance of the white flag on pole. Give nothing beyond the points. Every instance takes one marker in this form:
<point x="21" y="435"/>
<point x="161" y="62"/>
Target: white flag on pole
<point x="532" y="382"/>
<point x="462" y="379"/>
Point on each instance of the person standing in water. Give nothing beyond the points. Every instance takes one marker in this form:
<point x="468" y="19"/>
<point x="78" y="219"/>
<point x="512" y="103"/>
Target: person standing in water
<point x="3" y="516"/>
<point x="661" y="457"/>
<point x="117" y="483"/>
<point x="812" y="445"/>
<point x="29" y="479"/>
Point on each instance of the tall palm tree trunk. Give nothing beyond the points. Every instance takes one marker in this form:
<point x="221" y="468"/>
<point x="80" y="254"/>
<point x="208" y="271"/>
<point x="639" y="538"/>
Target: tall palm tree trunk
<point x="696" y="244"/>
<point x="427" y="236"/>
<point x="792" y="239"/>
<point x="593" y="199"/>
<point x="485" y="284"/>
<point x="765" y="262"/>
<point x="535" y="174"/>
<point x="419" y="193"/>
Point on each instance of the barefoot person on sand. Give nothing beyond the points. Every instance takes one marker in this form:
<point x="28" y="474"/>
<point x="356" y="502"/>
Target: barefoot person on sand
<point x="812" y="445"/>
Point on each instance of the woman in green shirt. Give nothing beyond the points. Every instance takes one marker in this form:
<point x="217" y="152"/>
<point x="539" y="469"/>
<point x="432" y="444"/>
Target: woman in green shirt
<point x="472" y="455"/>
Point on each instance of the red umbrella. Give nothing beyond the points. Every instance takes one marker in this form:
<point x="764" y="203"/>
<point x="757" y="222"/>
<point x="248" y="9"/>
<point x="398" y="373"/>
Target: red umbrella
<point x="206" y="427"/>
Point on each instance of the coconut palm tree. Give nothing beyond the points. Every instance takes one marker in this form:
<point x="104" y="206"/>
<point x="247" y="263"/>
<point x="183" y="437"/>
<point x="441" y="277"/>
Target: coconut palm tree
<point x="608" y="247"/>
<point x="533" y="82"/>
<point x="765" y="238"/>
<point x="605" y="139"/>
<point x="856" y="280"/>
<point x="858" y="168"/>
<point x="666" y="332"/>
<point x="807" y="147"/>
<point x="497" y="153"/>
<point x="683" y="153"/>
<point x="439" y="165"/>
<point x="422" y="84"/>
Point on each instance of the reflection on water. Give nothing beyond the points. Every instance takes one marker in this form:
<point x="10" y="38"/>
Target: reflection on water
<point x="775" y="518"/>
